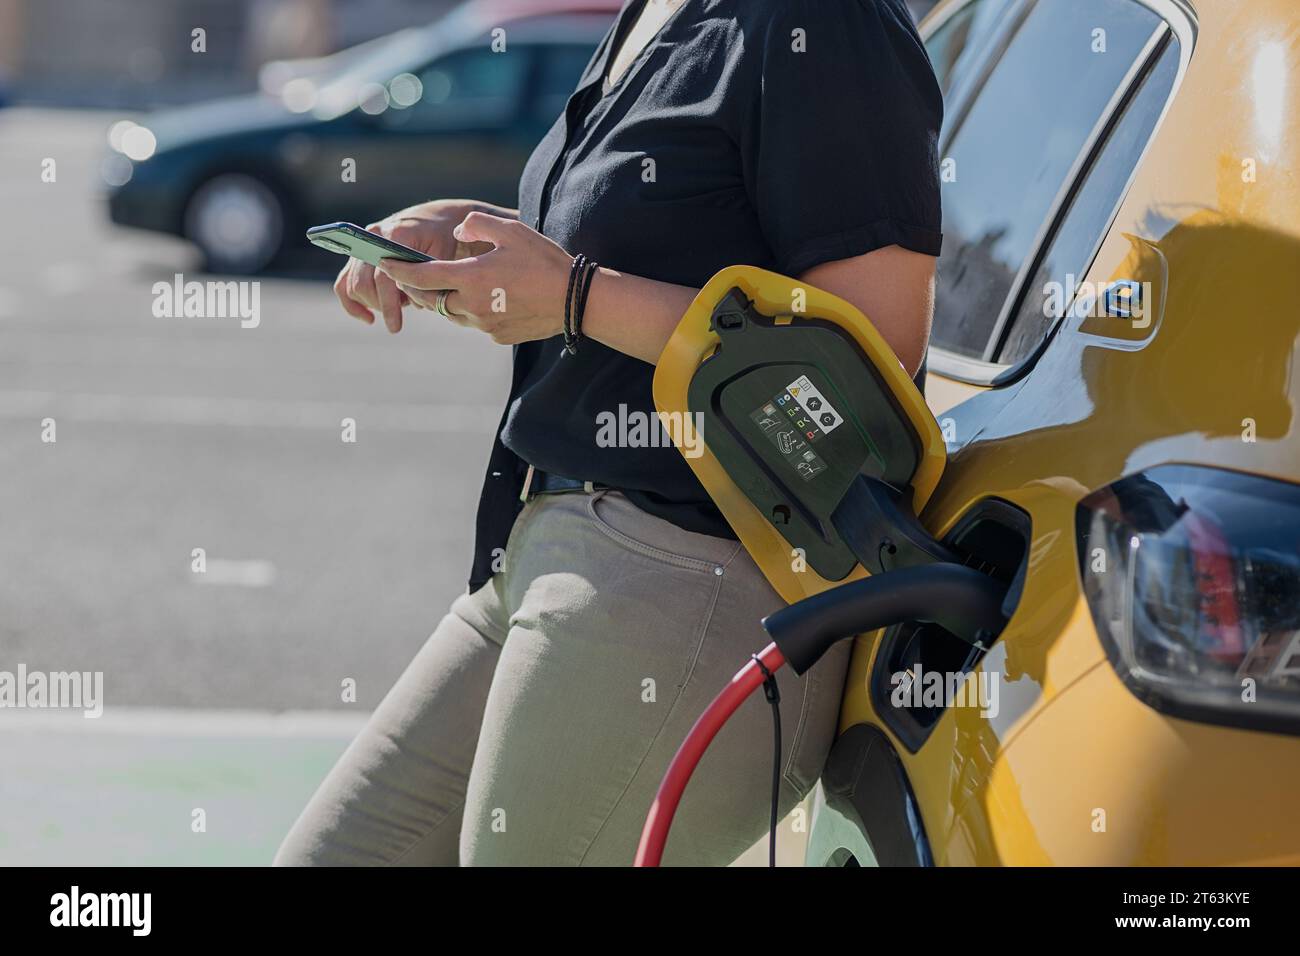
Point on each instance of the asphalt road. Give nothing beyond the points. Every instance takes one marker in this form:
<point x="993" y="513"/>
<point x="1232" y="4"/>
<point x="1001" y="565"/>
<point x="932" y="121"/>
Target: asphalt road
<point x="175" y="434"/>
<point x="326" y="561"/>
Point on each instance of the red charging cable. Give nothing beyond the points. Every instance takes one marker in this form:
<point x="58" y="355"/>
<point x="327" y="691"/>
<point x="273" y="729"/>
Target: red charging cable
<point x="657" y="822"/>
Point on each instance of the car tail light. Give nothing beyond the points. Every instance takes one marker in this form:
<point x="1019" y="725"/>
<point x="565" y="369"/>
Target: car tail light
<point x="1192" y="575"/>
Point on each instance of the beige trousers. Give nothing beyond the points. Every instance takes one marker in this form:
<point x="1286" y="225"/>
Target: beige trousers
<point x="534" y="726"/>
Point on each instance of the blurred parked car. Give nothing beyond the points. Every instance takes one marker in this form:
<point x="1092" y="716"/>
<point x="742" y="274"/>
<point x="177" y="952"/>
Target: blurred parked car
<point x="443" y="110"/>
<point x="276" y="75"/>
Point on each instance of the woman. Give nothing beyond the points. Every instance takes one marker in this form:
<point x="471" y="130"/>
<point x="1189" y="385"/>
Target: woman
<point x="603" y="614"/>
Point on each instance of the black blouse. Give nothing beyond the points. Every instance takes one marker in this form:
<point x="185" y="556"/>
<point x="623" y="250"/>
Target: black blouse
<point x="774" y="133"/>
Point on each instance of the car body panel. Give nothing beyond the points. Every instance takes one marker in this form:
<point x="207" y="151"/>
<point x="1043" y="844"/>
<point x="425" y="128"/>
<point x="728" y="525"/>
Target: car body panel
<point x="1139" y="790"/>
<point x="1211" y="380"/>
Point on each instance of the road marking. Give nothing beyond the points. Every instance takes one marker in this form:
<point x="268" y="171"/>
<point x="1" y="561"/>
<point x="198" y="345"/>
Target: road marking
<point x="247" y="412"/>
<point x="187" y="722"/>
<point x="244" y="574"/>
<point x="54" y="345"/>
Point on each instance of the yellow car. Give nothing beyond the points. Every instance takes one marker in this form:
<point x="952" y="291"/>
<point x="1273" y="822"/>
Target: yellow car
<point x="1115" y="371"/>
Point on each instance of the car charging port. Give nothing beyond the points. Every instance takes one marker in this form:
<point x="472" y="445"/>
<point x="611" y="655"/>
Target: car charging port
<point x="991" y="538"/>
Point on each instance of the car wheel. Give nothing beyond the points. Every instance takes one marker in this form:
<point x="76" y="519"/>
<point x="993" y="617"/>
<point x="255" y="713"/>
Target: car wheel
<point x="237" y="221"/>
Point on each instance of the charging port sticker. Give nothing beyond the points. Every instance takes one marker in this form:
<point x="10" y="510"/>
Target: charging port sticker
<point x="796" y="418"/>
<point x="815" y="404"/>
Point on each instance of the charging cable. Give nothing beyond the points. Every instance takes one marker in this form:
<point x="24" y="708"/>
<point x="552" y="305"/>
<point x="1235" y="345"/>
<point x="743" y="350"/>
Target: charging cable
<point x="773" y="695"/>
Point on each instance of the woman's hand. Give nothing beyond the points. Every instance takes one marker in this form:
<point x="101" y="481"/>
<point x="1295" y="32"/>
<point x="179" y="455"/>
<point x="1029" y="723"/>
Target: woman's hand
<point x="514" y="292"/>
<point x="426" y="227"/>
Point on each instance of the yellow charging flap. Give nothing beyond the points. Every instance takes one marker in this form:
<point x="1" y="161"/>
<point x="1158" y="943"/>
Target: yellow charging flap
<point x="692" y="342"/>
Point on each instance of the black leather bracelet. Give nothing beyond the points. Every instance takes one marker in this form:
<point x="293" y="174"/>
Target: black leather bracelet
<point x="580" y="306"/>
<point x="570" y="340"/>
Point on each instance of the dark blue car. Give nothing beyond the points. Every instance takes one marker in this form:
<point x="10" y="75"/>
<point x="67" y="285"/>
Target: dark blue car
<point x="453" y="109"/>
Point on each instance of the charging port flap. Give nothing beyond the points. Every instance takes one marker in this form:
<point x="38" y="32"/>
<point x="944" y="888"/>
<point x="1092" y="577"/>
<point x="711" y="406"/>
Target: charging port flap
<point x="804" y="411"/>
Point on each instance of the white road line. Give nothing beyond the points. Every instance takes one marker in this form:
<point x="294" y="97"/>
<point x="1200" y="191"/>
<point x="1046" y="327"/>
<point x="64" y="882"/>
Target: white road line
<point x="121" y="351"/>
<point x="185" y="722"/>
<point x="255" y="573"/>
<point x="247" y="412"/>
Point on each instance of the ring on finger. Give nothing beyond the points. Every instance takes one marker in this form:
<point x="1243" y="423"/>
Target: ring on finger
<point x="440" y="304"/>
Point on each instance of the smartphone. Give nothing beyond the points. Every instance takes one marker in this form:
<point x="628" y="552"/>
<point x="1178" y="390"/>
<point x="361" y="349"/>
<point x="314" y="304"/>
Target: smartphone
<point x="348" y="239"/>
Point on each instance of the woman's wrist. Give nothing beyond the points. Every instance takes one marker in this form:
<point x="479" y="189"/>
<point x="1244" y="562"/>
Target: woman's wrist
<point x="632" y="314"/>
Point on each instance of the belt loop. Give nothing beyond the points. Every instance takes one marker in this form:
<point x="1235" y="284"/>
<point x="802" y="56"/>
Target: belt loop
<point x="589" y="487"/>
<point x="528" y="481"/>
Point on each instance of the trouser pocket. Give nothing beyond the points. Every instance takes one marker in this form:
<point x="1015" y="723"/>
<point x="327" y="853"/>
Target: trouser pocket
<point x="651" y="537"/>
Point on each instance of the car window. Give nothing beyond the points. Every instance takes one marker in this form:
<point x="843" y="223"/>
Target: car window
<point x="1071" y="250"/>
<point x="962" y="41"/>
<point x="560" y="69"/>
<point x="468" y="89"/>
<point x="1012" y="150"/>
